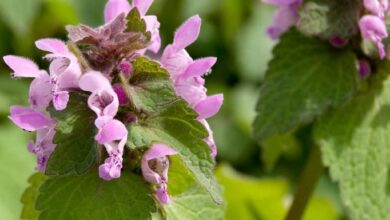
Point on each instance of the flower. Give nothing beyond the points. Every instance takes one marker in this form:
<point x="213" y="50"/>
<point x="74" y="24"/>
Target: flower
<point x="40" y="89"/>
<point x="29" y="119"/>
<point x="114" y="8"/>
<point x="43" y="147"/>
<point x="155" y="165"/>
<point x="285" y="17"/>
<point x="377" y="7"/>
<point x="187" y="73"/>
<point x="373" y="29"/>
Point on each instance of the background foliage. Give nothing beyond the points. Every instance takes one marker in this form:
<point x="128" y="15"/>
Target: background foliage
<point x="259" y="179"/>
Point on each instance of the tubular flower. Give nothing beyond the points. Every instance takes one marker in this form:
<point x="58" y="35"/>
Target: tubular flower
<point x="373" y="29"/>
<point x="187" y="74"/>
<point x="155" y="165"/>
<point x="377" y="7"/>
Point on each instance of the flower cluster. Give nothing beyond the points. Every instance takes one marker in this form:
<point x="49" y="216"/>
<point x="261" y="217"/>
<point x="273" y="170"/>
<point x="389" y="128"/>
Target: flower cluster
<point x="92" y="62"/>
<point x="372" y="24"/>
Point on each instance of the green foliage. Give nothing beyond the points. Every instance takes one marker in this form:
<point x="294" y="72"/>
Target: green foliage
<point x="19" y="14"/>
<point x="173" y="123"/>
<point x="328" y="18"/>
<point x="88" y="197"/>
<point x="150" y="87"/>
<point x="30" y="196"/>
<point x="355" y="145"/>
<point x="276" y="146"/>
<point x="302" y="83"/>
<point x="76" y="149"/>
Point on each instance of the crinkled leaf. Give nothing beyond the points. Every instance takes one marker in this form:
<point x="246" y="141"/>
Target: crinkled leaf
<point x="329" y="18"/>
<point x="135" y="22"/>
<point x="176" y="126"/>
<point x="150" y="86"/>
<point x="76" y="149"/>
<point x="355" y="144"/>
<point x="305" y="77"/>
<point x="88" y="197"/>
<point x="30" y="195"/>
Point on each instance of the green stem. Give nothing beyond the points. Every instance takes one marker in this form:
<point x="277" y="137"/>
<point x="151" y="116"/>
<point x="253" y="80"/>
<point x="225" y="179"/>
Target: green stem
<point x="126" y="87"/>
<point x="76" y="51"/>
<point x="308" y="181"/>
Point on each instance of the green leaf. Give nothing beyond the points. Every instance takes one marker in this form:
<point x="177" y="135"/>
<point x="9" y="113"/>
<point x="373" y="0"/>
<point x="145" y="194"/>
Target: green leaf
<point x="355" y="144"/>
<point x="88" y="197"/>
<point x="277" y="146"/>
<point x="329" y="18"/>
<point x="176" y="126"/>
<point x="137" y="24"/>
<point x="150" y="87"/>
<point x="76" y="149"/>
<point x="169" y="120"/>
<point x="19" y="14"/>
<point x="194" y="204"/>
<point x="302" y="83"/>
<point x="30" y="195"/>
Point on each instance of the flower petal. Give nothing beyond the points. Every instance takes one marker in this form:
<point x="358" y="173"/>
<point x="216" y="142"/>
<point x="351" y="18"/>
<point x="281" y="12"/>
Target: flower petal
<point x="52" y="45"/>
<point x="94" y="81"/>
<point x="114" y="8"/>
<point x="209" y="106"/>
<point x="112" y="130"/>
<point x="29" y="119"/>
<point x="142" y="5"/>
<point x="187" y="33"/>
<point x="60" y="100"/>
<point x="22" y="67"/>
<point x="199" y="67"/>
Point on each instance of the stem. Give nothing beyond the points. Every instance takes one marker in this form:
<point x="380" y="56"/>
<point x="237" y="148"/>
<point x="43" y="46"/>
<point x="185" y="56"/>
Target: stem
<point x="307" y="183"/>
<point x="76" y="51"/>
<point x="126" y="87"/>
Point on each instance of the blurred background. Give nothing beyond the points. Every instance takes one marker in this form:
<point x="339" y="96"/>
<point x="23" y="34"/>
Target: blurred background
<point x="259" y="179"/>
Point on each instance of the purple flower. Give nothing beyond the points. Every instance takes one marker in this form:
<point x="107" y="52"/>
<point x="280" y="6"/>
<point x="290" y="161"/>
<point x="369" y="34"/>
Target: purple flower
<point x="29" y="119"/>
<point x="364" y="68"/>
<point x="113" y="135"/>
<point x="116" y="7"/>
<point x="187" y="74"/>
<point x="285" y="17"/>
<point x="40" y="88"/>
<point x="377" y="7"/>
<point x="43" y="147"/>
<point x="373" y="29"/>
<point x="155" y="165"/>
<point x="103" y="100"/>
<point x="64" y="70"/>
<point x="210" y="139"/>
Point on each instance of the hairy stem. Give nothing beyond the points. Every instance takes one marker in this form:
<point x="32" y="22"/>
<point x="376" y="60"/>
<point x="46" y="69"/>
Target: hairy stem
<point x="308" y="181"/>
<point x="126" y="87"/>
<point x="76" y="51"/>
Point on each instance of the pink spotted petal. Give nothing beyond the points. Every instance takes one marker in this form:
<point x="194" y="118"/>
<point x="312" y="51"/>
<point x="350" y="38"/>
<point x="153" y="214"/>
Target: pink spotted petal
<point x="23" y="67"/>
<point x="60" y="100"/>
<point x="142" y="5"/>
<point x="110" y="170"/>
<point x="187" y="33"/>
<point x="114" y="8"/>
<point x="29" y="119"/>
<point x="94" y="81"/>
<point x="67" y="71"/>
<point x="112" y="130"/>
<point x="162" y="194"/>
<point x="209" y="106"/>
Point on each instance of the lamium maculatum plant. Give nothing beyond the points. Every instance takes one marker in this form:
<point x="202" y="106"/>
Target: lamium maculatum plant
<point x="120" y="134"/>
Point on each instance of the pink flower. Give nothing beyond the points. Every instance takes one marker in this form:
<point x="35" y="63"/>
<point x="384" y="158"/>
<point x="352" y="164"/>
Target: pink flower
<point x="43" y="147"/>
<point x="103" y="100"/>
<point x="210" y="139"/>
<point x="284" y="18"/>
<point x="116" y="7"/>
<point x="187" y="74"/>
<point x="40" y="88"/>
<point x="377" y="7"/>
<point x="373" y="29"/>
<point x="155" y="165"/>
<point x="29" y="119"/>
<point x="364" y="68"/>
<point x="113" y="135"/>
